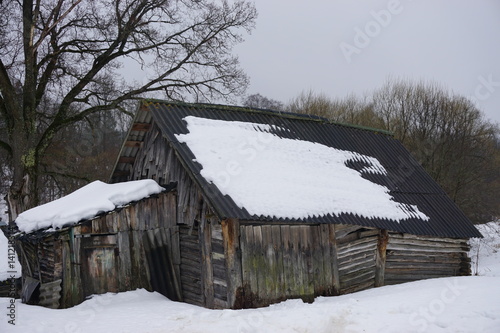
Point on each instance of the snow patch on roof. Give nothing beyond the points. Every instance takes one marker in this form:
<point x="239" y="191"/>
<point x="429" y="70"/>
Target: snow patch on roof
<point x="284" y="178"/>
<point x="85" y="203"/>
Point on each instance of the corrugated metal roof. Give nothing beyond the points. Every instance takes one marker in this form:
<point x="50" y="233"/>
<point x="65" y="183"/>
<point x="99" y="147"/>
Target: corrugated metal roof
<point x="406" y="179"/>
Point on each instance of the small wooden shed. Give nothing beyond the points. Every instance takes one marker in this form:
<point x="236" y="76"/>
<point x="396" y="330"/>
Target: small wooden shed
<point x="218" y="237"/>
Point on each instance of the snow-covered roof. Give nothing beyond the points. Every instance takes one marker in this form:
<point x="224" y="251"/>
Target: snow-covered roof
<point x="85" y="203"/>
<point x="265" y="166"/>
<point x="233" y="155"/>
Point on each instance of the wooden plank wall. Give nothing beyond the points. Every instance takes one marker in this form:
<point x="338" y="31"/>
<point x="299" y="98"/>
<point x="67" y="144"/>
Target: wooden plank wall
<point x="157" y="160"/>
<point x="286" y="261"/>
<point x="147" y="249"/>
<point x="411" y="258"/>
<point x="191" y="269"/>
<point x="305" y="261"/>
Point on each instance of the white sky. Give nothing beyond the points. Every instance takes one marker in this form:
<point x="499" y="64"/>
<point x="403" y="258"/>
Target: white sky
<point x="296" y="47"/>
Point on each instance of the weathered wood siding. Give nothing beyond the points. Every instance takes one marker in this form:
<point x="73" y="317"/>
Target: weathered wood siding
<point x="190" y="250"/>
<point x="219" y="267"/>
<point x="158" y="161"/>
<point x="202" y="267"/>
<point x="280" y="261"/>
<point x="411" y="258"/>
<point x="135" y="247"/>
<point x="287" y="261"/>
<point x="140" y="242"/>
<point x="356" y="257"/>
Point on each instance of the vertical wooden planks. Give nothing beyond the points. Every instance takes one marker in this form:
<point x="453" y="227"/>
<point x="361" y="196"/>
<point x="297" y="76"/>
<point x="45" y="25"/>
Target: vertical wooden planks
<point x="248" y="278"/>
<point x="280" y="287"/>
<point x="306" y="255"/>
<point x="67" y="282"/>
<point x="230" y="232"/>
<point x="318" y="256"/>
<point x="176" y="254"/>
<point x="260" y="269"/>
<point x="269" y="276"/>
<point x="288" y="263"/>
<point x="297" y="262"/>
<point x="326" y="260"/>
<point x="191" y="266"/>
<point x="124" y="262"/>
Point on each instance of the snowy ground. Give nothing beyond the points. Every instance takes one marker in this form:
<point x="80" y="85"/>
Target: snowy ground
<point x="459" y="304"/>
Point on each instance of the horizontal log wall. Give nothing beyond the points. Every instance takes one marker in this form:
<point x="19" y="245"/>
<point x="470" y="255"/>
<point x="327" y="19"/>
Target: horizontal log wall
<point x="219" y="267"/>
<point x="411" y="258"/>
<point x="356" y="257"/>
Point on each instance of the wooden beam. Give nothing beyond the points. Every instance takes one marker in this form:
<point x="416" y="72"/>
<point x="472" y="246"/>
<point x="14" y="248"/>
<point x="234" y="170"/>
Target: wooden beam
<point x="131" y="143"/>
<point x="141" y="127"/>
<point x="334" y="257"/>
<point x="207" y="275"/>
<point x="230" y="234"/>
<point x="383" y="239"/>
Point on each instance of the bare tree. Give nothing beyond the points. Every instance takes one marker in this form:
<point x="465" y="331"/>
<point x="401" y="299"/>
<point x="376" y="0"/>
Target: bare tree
<point x="61" y="61"/>
<point x="450" y="138"/>
<point x="262" y="102"/>
<point x="349" y="110"/>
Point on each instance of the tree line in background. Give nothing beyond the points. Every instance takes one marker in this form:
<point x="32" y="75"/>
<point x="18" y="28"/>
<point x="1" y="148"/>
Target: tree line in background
<point x="65" y="102"/>
<point x="445" y="132"/>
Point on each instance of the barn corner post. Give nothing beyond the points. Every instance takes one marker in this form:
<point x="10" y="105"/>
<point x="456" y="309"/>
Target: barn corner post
<point x="232" y="252"/>
<point x="383" y="239"/>
<point x="332" y="241"/>
<point x="207" y="268"/>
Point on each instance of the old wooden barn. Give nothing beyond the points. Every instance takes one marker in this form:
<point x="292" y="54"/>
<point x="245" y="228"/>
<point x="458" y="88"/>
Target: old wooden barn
<point x="258" y="207"/>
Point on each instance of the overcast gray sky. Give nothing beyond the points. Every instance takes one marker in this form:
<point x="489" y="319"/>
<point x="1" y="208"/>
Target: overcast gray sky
<point x="342" y="47"/>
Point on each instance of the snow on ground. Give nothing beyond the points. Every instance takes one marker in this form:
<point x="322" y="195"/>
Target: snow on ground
<point x="457" y="304"/>
<point x="86" y="202"/>
<point x="485" y="252"/>
<point x="259" y="169"/>
<point x="468" y="304"/>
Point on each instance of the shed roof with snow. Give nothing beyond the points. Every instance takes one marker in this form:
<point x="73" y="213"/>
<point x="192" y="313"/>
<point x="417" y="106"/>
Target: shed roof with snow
<point x="262" y="165"/>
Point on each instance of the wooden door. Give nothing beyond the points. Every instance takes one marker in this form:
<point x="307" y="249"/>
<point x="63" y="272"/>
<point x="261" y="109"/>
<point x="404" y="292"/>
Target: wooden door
<point x="99" y="264"/>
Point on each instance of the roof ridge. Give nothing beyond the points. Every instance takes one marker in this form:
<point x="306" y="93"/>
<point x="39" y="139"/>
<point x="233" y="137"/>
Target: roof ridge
<point x="283" y="114"/>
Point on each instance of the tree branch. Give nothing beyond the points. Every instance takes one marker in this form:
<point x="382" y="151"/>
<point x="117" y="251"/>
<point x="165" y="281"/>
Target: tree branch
<point x="57" y="20"/>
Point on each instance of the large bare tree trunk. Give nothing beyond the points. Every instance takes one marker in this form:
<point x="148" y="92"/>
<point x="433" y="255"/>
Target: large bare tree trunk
<point x="21" y="197"/>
